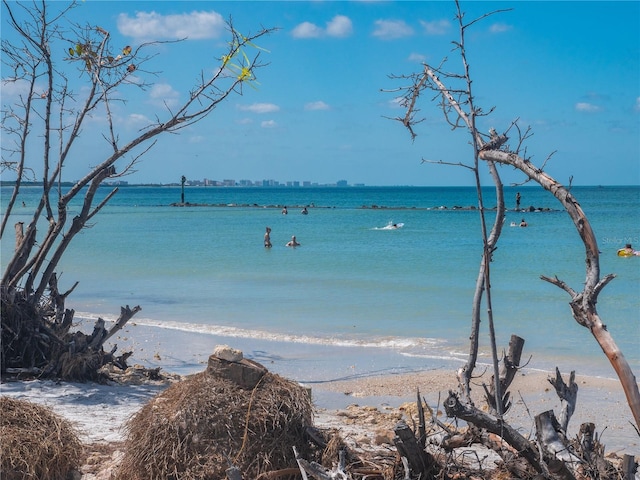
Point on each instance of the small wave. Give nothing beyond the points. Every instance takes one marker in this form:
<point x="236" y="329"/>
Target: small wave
<point x="393" y="343"/>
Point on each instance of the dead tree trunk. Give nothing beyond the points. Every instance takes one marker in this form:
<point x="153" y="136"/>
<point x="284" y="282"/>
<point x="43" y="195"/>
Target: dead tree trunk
<point x="473" y="415"/>
<point x="562" y="463"/>
<point x="420" y="462"/>
<point x="508" y="370"/>
<point x="568" y="395"/>
<point x="583" y="304"/>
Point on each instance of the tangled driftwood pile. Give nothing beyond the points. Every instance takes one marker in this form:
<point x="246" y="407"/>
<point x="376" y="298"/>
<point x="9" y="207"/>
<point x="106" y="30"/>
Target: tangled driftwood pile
<point x="35" y="442"/>
<point x="234" y="415"/>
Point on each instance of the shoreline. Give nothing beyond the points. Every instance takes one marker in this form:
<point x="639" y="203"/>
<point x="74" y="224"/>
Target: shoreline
<point x="363" y="410"/>
<point x="100" y="411"/>
<point x="600" y="400"/>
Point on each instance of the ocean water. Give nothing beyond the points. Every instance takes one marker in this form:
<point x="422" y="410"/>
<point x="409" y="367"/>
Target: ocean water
<point x="354" y="290"/>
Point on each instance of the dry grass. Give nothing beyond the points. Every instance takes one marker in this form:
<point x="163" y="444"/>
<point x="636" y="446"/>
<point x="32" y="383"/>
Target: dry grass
<point x="35" y="442"/>
<point x="198" y="428"/>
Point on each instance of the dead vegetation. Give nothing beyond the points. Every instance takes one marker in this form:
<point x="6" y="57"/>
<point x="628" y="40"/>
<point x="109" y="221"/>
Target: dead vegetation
<point x="236" y="420"/>
<point x="35" y="442"/>
<point x="208" y="423"/>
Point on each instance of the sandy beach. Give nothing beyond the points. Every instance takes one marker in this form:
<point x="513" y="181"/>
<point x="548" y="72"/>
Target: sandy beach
<point x="364" y="410"/>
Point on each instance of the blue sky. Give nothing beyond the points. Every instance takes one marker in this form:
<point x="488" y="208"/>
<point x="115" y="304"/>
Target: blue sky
<point x="320" y="110"/>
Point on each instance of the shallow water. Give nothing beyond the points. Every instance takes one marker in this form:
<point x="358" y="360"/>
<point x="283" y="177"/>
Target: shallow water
<point x="402" y="294"/>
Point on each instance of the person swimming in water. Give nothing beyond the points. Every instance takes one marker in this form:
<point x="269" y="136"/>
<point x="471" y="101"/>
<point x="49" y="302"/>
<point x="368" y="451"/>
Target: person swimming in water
<point x="628" y="251"/>
<point x="293" y="242"/>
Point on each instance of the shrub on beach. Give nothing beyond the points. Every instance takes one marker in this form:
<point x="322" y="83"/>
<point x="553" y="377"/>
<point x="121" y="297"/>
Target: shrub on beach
<point x="35" y="442"/>
<point x="200" y="427"/>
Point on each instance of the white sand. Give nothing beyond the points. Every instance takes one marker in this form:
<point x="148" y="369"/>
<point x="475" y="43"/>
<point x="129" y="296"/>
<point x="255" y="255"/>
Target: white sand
<point x="100" y="411"/>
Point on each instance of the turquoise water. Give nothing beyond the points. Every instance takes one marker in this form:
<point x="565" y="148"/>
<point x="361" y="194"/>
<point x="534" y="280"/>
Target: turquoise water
<point x="353" y="284"/>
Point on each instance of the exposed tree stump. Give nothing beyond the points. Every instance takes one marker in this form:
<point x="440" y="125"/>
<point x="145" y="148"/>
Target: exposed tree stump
<point x="420" y="461"/>
<point x="228" y="364"/>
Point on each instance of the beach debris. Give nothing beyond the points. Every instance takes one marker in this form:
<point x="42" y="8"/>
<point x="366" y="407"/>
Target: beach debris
<point x="138" y="375"/>
<point x="234" y="414"/>
<point x="230" y="364"/>
<point x="35" y="442"/>
<point x="225" y="352"/>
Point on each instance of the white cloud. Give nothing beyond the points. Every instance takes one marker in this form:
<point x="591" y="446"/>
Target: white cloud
<point x="154" y="26"/>
<point x="392" y="29"/>
<point x="269" y="124"/>
<point x="436" y="27"/>
<point x="319" y="105"/>
<point x="397" y="102"/>
<point x="637" y="106"/>
<point x="417" y="57"/>
<point x="339" y="26"/>
<point x="500" y="28"/>
<point x="15" y="88"/>
<point x="587" y="107"/>
<point x="259" y="108"/>
<point x="137" y="119"/>
<point x="163" y="94"/>
<point x="307" y="30"/>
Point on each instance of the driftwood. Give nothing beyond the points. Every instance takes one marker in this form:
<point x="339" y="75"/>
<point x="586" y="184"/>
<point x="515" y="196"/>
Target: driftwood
<point x="568" y="395"/>
<point x="508" y="370"/>
<point x="420" y="462"/>
<point x="318" y="471"/>
<point x="473" y="415"/>
<point x="629" y="467"/>
<point x="244" y="372"/>
<point x="551" y="438"/>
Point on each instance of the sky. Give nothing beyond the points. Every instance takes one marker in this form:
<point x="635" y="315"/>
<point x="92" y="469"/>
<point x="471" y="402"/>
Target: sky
<point x="322" y="108"/>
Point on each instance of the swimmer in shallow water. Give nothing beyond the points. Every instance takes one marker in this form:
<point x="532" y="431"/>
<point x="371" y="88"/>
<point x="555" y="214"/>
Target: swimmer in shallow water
<point x="293" y="242"/>
<point x="628" y="251"/>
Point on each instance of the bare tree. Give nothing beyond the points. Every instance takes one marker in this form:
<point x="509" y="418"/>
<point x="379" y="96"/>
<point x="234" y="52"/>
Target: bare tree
<point x="453" y="91"/>
<point x="44" y="126"/>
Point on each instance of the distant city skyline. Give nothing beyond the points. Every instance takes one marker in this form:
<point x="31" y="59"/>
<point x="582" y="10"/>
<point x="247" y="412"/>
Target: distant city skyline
<point x="206" y="182"/>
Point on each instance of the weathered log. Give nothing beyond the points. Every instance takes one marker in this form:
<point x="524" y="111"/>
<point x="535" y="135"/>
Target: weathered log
<point x="474" y="416"/>
<point x="98" y="334"/>
<point x="67" y="320"/>
<point x="126" y="313"/>
<point x="508" y="369"/>
<point x="245" y="373"/>
<point x="312" y="468"/>
<point x="420" y="461"/>
<point x="586" y="439"/>
<point x="568" y="395"/>
<point x="121" y="361"/>
<point x="629" y="467"/>
<point x="422" y="427"/>
<point x="562" y="462"/>
<point x="19" y="227"/>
